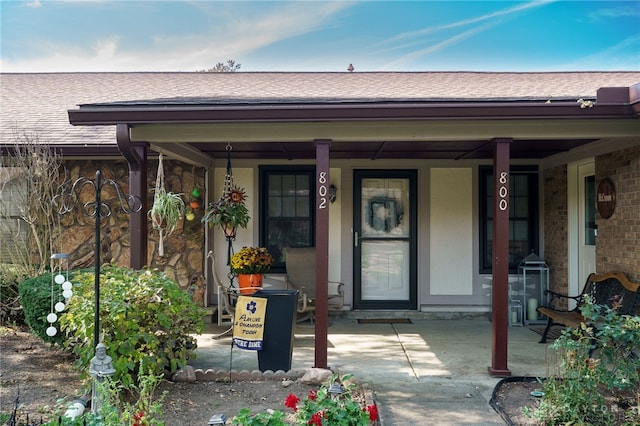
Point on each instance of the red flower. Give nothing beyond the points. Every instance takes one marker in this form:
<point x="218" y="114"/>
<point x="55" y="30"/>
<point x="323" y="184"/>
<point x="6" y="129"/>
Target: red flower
<point x="312" y="395"/>
<point x="291" y="402"/>
<point x="316" y="419"/>
<point x="373" y="412"/>
<point x="137" y="419"/>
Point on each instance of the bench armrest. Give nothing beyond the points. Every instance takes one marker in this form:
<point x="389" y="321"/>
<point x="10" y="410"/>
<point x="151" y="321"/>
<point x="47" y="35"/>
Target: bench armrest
<point x="554" y="297"/>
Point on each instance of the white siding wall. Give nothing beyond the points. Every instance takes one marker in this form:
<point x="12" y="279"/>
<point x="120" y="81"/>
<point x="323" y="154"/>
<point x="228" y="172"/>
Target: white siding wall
<point x="451" y="223"/>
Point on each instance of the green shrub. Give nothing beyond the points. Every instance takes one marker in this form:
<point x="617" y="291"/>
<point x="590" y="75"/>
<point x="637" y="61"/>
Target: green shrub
<point x="135" y="405"/>
<point x="597" y="366"/>
<point x="145" y="320"/>
<point x="35" y="298"/>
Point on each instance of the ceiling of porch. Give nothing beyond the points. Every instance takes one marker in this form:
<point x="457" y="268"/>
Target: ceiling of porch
<point x="375" y="150"/>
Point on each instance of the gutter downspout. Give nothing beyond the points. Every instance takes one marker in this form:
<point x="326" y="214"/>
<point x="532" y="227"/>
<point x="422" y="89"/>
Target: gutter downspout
<point x="136" y="156"/>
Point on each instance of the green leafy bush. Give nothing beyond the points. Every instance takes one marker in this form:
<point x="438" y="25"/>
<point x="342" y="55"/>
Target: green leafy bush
<point x="136" y="405"/>
<point x="35" y="298"/>
<point x="599" y="372"/>
<point x="145" y="320"/>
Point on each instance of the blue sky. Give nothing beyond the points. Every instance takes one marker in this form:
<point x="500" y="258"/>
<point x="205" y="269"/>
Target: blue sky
<point x="95" y="35"/>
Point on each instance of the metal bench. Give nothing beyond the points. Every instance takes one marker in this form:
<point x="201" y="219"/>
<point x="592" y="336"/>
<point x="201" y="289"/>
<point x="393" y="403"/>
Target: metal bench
<point x="612" y="289"/>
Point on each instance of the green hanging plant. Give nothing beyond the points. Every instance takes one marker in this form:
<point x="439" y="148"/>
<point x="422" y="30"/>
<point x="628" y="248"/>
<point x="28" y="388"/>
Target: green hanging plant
<point x="230" y="212"/>
<point x="167" y="211"/>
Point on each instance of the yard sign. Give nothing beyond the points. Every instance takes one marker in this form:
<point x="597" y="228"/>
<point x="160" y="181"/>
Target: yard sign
<point x="248" y="326"/>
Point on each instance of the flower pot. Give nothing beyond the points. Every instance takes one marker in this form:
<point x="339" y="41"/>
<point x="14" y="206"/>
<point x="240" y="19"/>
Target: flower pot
<point x="249" y="283"/>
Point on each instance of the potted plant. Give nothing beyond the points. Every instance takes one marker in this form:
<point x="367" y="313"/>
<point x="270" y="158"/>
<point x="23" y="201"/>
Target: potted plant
<point x="229" y="212"/>
<point x="249" y="264"/>
<point x="165" y="213"/>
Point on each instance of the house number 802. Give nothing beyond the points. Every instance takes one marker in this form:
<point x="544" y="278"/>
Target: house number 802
<point x="322" y="190"/>
<point x="503" y="191"/>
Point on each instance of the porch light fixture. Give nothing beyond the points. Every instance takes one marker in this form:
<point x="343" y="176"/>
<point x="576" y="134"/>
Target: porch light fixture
<point x="333" y="192"/>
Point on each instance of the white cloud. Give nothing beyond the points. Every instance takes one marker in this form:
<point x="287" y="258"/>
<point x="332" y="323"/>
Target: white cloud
<point x="227" y="39"/>
<point x="494" y="19"/>
<point x="410" y="57"/>
<point x="615" y="12"/>
<point x="496" y="14"/>
<point x="34" y="4"/>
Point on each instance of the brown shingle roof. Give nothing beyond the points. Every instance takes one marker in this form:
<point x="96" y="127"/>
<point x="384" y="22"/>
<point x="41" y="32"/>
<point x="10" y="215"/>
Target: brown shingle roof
<point x="39" y="102"/>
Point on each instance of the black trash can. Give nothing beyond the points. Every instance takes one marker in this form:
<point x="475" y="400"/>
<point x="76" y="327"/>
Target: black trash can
<point x="279" y="322"/>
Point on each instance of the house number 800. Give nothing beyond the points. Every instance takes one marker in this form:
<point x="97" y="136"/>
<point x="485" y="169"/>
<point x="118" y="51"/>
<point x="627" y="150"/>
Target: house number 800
<point x="322" y="190"/>
<point x="503" y="191"/>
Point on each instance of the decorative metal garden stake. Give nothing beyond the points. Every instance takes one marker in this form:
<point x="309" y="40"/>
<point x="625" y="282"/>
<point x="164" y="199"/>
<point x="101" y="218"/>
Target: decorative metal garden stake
<point x="66" y="201"/>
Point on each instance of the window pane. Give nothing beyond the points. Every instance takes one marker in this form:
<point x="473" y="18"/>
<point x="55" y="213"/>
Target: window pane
<point x="302" y="206"/>
<point x="520" y="185"/>
<point x="521" y="207"/>
<point x="520" y="230"/>
<point x="275" y="207"/>
<point x="590" y="210"/>
<point x="289" y="207"/>
<point x="302" y="185"/>
<point x="287" y="219"/>
<point x="289" y="185"/>
<point x="523" y="226"/>
<point x="275" y="185"/>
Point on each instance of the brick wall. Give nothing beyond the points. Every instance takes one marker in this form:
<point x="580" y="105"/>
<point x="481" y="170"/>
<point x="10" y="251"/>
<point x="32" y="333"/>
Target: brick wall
<point x="184" y="248"/>
<point x="556" y="227"/>
<point x="618" y="241"/>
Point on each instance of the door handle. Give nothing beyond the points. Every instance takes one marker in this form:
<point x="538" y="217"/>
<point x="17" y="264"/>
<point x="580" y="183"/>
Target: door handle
<point x="355" y="239"/>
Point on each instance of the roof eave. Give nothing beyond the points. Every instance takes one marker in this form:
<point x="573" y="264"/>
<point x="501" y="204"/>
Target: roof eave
<point x="110" y="115"/>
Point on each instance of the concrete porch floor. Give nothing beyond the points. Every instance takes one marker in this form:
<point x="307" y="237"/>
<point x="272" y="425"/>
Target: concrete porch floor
<point x="427" y="372"/>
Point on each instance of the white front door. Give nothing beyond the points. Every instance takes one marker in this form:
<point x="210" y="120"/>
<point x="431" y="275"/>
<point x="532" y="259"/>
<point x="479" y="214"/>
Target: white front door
<point x="587" y="236"/>
<point x="582" y="230"/>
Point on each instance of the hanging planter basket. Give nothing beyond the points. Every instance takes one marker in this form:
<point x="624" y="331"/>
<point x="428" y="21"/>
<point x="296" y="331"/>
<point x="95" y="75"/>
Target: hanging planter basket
<point x="167" y="209"/>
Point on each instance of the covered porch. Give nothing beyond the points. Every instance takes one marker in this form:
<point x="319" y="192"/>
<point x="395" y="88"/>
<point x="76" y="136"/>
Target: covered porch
<point x="426" y="369"/>
<point x="199" y="130"/>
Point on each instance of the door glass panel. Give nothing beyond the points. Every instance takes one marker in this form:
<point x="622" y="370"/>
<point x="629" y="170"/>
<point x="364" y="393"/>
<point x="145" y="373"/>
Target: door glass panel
<point x="590" y="210"/>
<point x="385" y="208"/>
<point x="385" y="253"/>
<point x="385" y="270"/>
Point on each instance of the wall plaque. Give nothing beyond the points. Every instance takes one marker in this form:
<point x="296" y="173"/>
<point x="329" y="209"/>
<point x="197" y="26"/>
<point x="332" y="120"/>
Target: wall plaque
<point x="606" y="198"/>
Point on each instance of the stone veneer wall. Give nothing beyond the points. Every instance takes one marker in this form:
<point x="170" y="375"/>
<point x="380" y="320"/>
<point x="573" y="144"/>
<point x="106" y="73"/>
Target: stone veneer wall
<point x="556" y="227"/>
<point x="618" y="241"/>
<point x="184" y="248"/>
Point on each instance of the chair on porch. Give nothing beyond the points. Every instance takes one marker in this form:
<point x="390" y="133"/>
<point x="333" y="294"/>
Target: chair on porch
<point x="300" y="263"/>
<point x="227" y="296"/>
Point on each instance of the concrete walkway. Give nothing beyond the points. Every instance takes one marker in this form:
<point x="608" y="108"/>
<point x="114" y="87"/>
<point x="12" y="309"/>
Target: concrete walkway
<point x="426" y="372"/>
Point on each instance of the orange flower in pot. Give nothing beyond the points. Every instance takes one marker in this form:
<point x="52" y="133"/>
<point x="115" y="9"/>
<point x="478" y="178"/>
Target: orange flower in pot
<point x="249" y="264"/>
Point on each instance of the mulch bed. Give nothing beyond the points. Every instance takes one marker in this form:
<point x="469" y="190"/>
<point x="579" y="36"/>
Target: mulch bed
<point x="513" y="393"/>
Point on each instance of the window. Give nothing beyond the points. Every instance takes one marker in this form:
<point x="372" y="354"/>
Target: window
<point x="590" y="210"/>
<point x="523" y="216"/>
<point x="287" y="206"/>
<point x="13" y="230"/>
